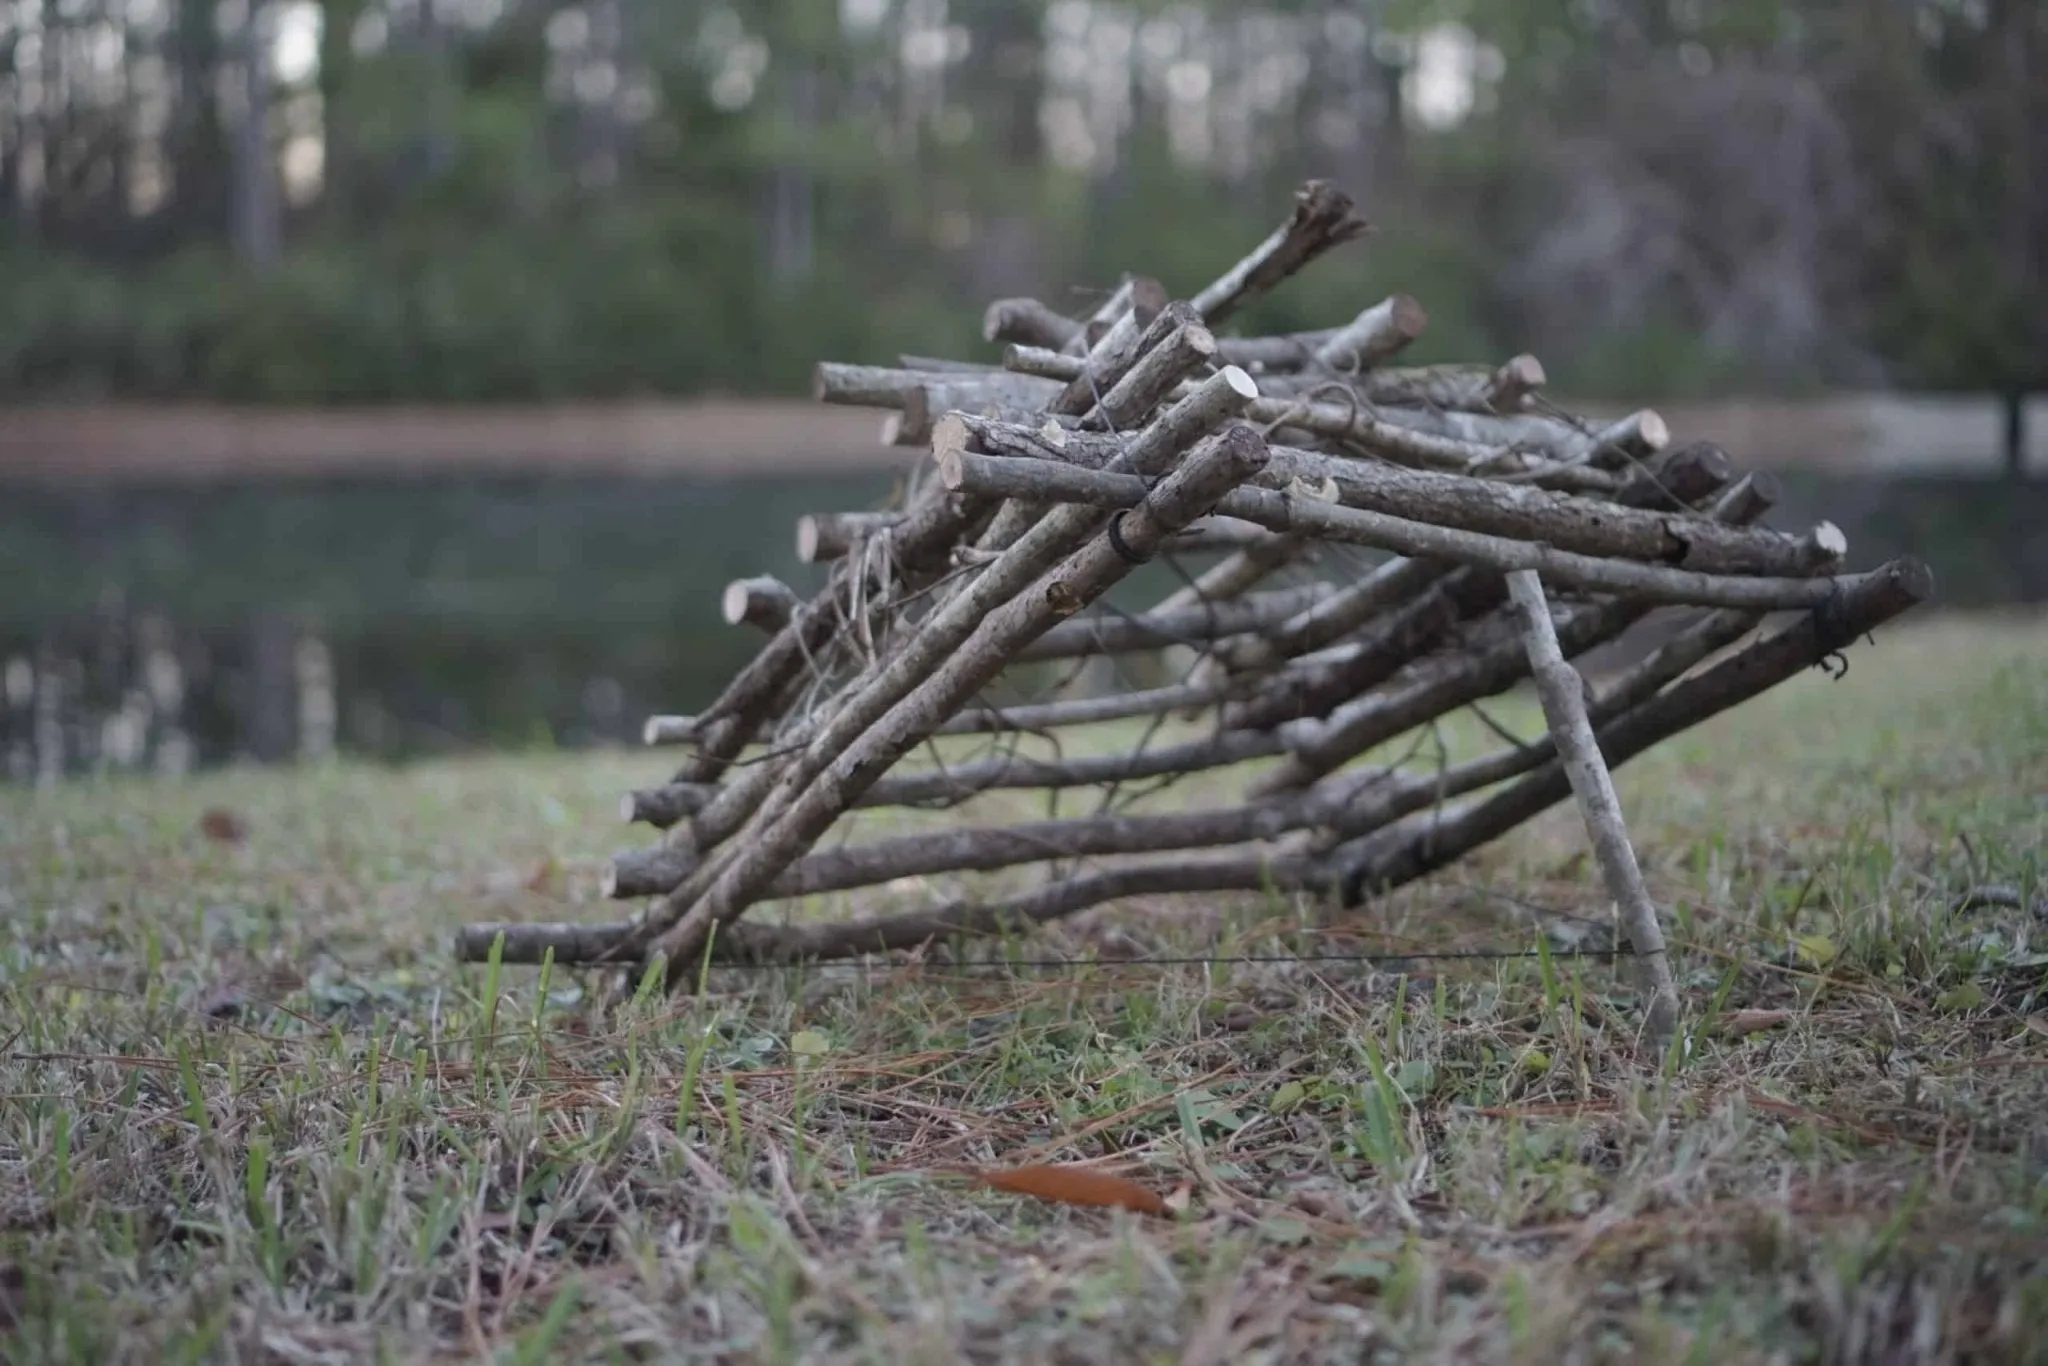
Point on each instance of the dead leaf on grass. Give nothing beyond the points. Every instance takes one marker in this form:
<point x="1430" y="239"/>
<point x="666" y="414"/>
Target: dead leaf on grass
<point x="1068" y="1185"/>
<point x="1739" y="1024"/>
<point x="223" y="826"/>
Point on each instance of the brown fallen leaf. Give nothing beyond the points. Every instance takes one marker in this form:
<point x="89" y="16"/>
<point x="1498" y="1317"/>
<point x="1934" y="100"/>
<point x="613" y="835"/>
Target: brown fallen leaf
<point x="223" y="826"/>
<point x="543" y="876"/>
<point x="1068" y="1185"/>
<point x="1741" y="1023"/>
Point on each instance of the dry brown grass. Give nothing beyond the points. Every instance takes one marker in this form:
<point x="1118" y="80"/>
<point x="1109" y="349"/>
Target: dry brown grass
<point x="252" y="1112"/>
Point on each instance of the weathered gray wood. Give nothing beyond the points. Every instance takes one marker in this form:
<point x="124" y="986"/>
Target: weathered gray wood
<point x="1323" y="217"/>
<point x="1087" y="377"/>
<point x="763" y="602"/>
<point x="1155" y="374"/>
<point x="1187" y="493"/>
<point x="763" y="790"/>
<point x="882" y="386"/>
<point x="1371" y="337"/>
<point x="822" y="536"/>
<point x="1368" y="865"/>
<point x="1193" y="623"/>
<point x="1563" y="694"/>
<point x="1567" y="522"/>
<point x="1654" y="583"/>
<point x="1027" y="321"/>
<point x="1393" y="857"/>
<point x="668" y="730"/>
<point x="636" y="873"/>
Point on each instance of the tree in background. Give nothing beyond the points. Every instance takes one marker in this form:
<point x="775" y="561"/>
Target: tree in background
<point x="362" y="200"/>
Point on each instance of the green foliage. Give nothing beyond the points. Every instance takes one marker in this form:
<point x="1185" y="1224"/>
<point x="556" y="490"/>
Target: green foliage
<point x="485" y="234"/>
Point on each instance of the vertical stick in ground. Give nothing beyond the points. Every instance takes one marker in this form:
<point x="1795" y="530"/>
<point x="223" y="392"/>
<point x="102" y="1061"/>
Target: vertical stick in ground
<point x="1562" y="692"/>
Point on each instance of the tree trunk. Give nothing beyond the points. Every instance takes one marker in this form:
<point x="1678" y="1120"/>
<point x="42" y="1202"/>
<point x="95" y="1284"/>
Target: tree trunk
<point x="258" y="232"/>
<point x="2013" y="403"/>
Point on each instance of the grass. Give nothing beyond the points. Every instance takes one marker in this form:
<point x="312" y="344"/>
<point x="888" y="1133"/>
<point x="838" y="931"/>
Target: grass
<point x="250" y="1111"/>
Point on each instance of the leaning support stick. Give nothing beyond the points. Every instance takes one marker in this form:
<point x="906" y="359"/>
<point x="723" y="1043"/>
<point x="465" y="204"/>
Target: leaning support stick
<point x="1562" y="691"/>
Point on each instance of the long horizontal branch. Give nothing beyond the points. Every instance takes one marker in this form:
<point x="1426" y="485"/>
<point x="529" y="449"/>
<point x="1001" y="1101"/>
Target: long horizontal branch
<point x="883" y="386"/>
<point x="1566" y="522"/>
<point x="1280" y="512"/>
<point x="824" y="537"/>
<point x="1491" y="390"/>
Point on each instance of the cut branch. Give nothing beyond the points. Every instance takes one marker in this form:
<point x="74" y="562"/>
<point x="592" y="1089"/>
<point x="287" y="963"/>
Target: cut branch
<point x="824" y="536"/>
<point x="948" y="629"/>
<point x="764" y="602"/>
<point x="1562" y="693"/>
<point x="1652" y="583"/>
<point x="1186" y="494"/>
<point x="1323" y="217"/>
<point x="1372" y="336"/>
<point x="668" y="730"/>
<point x="1137" y="333"/>
<point x="1394" y="857"/>
<point x="1027" y="321"/>
<point x="1196" y="624"/>
<point x="1566" y="522"/>
<point x="1369" y="866"/>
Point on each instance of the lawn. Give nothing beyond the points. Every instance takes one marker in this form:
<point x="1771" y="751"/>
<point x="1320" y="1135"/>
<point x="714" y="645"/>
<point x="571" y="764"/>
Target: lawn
<point x="251" y="1111"/>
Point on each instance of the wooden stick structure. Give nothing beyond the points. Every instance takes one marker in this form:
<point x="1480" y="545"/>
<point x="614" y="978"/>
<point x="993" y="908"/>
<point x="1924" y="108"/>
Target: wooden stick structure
<point x="1339" y="554"/>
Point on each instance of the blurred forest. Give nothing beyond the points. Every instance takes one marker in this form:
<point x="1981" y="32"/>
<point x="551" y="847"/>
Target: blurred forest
<point x="367" y="200"/>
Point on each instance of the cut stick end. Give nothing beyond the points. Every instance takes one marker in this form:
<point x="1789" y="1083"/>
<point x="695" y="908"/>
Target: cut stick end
<point x="1829" y="540"/>
<point x="950" y="433"/>
<point x="914" y="425"/>
<point x="952" y="465"/>
<point x="809" y="543"/>
<point x="1410" y="318"/>
<point x="667" y="730"/>
<point x="1148" y="298"/>
<point x="1914" y="576"/>
<point x="1653" y="429"/>
<point x="1241" y="384"/>
<point x="738" y="597"/>
<point x="629" y="808"/>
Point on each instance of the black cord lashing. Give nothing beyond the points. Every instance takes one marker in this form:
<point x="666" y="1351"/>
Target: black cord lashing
<point x="1120" y="545"/>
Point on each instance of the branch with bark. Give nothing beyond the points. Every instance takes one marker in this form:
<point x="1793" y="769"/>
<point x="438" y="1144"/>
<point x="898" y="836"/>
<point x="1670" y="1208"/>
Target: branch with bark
<point x="1508" y="537"/>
